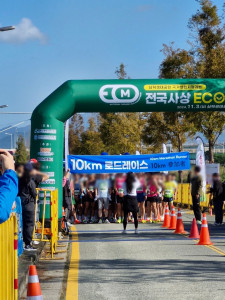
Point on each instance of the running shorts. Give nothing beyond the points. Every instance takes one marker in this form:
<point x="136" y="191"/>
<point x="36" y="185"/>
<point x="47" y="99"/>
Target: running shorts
<point x="152" y="199"/>
<point x="103" y="201"/>
<point x="140" y="197"/>
<point x="119" y="199"/>
<point x="159" y="199"/>
<point x="167" y="199"/>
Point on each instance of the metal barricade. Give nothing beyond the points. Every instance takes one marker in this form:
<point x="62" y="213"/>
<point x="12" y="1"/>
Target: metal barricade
<point x="50" y="233"/>
<point x="8" y="259"/>
<point x="183" y="196"/>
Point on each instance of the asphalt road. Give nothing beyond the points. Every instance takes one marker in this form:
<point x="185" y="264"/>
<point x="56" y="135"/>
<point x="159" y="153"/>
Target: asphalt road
<point x="156" y="264"/>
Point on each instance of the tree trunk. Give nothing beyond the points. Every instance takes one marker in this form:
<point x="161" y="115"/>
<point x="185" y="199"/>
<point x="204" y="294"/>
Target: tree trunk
<point x="211" y="153"/>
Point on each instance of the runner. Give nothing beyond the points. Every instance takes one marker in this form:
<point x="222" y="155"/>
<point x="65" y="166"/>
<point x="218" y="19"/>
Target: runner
<point x="119" y="187"/>
<point x="77" y="196"/>
<point x="141" y="197"/>
<point x="83" y="198"/>
<point x="112" y="202"/>
<point x="130" y="200"/>
<point x="169" y="191"/>
<point x="90" y="200"/>
<point x="174" y="179"/>
<point x="102" y="194"/>
<point x="161" y="180"/>
<point x="152" y="196"/>
<point x="74" y="214"/>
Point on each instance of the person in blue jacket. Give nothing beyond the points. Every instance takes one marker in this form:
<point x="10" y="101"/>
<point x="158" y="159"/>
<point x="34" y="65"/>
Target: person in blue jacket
<point x="8" y="185"/>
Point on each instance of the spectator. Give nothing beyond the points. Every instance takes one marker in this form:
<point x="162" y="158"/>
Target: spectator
<point x="67" y="200"/>
<point x="28" y="194"/>
<point x="36" y="174"/>
<point x="130" y="200"/>
<point x="218" y="198"/>
<point x="8" y="185"/>
<point x="196" y="192"/>
<point x="19" y="168"/>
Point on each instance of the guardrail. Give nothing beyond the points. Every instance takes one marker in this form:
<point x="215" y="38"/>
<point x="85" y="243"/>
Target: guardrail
<point x="184" y="198"/>
<point x="8" y="259"/>
<point x="47" y="234"/>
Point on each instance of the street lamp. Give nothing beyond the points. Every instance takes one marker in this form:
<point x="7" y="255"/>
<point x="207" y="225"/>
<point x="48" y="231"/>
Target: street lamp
<point x="11" y="138"/>
<point x="7" y="28"/>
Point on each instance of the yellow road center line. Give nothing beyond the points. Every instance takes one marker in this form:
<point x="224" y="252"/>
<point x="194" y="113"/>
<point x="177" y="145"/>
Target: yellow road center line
<point x="212" y="247"/>
<point x="72" y="280"/>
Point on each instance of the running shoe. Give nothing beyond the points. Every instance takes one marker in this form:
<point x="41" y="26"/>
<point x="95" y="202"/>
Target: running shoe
<point x="124" y="231"/>
<point x="217" y="224"/>
<point x="139" y="220"/>
<point x="107" y="221"/>
<point x="199" y="222"/>
<point x="35" y="243"/>
<point x="100" y="221"/>
<point x="136" y="231"/>
<point x="29" y="248"/>
<point x="76" y="221"/>
<point x="85" y="221"/>
<point x="119" y="220"/>
<point x="69" y="224"/>
<point x="143" y="221"/>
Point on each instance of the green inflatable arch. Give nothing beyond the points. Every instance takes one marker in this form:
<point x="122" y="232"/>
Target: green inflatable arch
<point x="47" y="122"/>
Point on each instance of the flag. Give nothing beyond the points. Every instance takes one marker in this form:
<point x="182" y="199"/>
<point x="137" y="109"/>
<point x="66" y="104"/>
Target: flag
<point x="200" y="161"/>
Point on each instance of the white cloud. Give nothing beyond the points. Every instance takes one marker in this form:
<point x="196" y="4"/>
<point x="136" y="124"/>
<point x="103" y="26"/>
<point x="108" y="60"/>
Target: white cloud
<point x="23" y="32"/>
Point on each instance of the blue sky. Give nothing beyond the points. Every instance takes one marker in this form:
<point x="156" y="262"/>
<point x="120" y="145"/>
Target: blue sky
<point x="82" y="39"/>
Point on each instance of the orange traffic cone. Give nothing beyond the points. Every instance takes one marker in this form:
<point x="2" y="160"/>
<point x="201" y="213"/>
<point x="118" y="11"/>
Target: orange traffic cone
<point x="173" y="219"/>
<point x="204" y="234"/>
<point x="63" y="222"/>
<point x="194" y="234"/>
<point x="166" y="223"/>
<point x="180" y="225"/>
<point x="33" y="290"/>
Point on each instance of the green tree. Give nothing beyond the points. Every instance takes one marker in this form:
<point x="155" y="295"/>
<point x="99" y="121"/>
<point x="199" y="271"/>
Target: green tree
<point x="121" y="72"/>
<point x="163" y="127"/>
<point x="21" y="155"/>
<point x="175" y="127"/>
<point x="205" y="59"/>
<point x="209" y="54"/>
<point x="75" y="131"/>
<point x="121" y="132"/>
<point x="91" y="140"/>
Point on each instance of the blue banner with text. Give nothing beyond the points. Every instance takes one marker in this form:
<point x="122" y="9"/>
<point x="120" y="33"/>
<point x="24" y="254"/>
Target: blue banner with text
<point x="128" y="163"/>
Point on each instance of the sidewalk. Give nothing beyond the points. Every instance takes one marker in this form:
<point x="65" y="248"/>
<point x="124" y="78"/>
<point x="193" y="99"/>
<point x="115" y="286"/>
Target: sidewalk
<point x="26" y="259"/>
<point x="52" y="273"/>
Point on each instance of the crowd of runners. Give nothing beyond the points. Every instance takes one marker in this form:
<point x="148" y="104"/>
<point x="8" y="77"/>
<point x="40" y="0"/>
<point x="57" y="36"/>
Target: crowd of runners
<point x="109" y="198"/>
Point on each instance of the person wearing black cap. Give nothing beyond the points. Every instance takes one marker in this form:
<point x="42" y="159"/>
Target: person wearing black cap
<point x="28" y="194"/>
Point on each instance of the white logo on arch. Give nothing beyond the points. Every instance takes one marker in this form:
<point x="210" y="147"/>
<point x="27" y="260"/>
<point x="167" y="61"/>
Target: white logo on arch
<point x="128" y="94"/>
